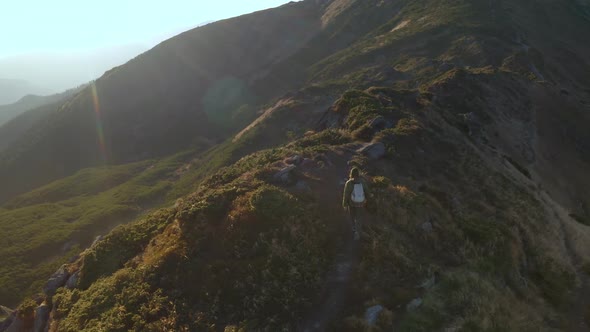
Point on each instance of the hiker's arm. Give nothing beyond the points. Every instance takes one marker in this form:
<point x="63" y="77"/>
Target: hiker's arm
<point x="346" y="195"/>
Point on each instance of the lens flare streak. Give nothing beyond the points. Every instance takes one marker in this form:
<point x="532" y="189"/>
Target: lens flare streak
<point x="99" y="128"/>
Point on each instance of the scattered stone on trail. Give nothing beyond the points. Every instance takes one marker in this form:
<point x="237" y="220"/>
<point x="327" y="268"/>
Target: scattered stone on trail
<point x="41" y="318"/>
<point x="373" y="151"/>
<point x="57" y="280"/>
<point x="428" y="283"/>
<point x="73" y="280"/>
<point x="427" y="227"/>
<point x="372" y="314"/>
<point x="284" y="175"/>
<point x="414" y="304"/>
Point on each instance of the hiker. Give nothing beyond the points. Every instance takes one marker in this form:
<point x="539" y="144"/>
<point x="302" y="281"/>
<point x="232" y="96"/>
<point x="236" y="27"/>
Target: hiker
<point x="356" y="191"/>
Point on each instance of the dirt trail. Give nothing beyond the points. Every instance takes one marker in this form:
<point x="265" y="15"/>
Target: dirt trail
<point x="331" y="301"/>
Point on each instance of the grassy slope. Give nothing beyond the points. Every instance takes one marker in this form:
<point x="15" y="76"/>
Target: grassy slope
<point x="46" y="227"/>
<point x="247" y="252"/>
<point x="244" y="251"/>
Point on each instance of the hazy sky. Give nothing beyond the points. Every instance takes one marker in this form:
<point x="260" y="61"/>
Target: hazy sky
<point x="40" y="25"/>
<point x="39" y="38"/>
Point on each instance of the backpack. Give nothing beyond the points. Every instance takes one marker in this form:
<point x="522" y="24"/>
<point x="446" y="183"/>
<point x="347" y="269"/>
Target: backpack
<point x="358" y="195"/>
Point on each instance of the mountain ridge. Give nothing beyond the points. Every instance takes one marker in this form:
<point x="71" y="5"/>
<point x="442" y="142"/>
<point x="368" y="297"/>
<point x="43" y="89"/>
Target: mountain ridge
<point x="470" y="127"/>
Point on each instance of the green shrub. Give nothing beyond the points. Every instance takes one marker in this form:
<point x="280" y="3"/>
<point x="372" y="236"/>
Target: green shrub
<point x="268" y="202"/>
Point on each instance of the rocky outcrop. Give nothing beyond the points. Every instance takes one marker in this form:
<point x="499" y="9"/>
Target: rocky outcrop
<point x="380" y="123"/>
<point x="372" y="314"/>
<point x="73" y="280"/>
<point x="284" y="175"/>
<point x="374" y="150"/>
<point x="16" y="325"/>
<point x="41" y="318"/>
<point x="57" y="280"/>
<point x="7" y="322"/>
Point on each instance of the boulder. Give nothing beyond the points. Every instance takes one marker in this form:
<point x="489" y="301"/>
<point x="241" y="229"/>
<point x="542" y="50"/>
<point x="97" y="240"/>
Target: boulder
<point x="41" y="318"/>
<point x="308" y="163"/>
<point x="373" y="151"/>
<point x="427" y="227"/>
<point x="16" y="325"/>
<point x="372" y="314"/>
<point x="5" y="311"/>
<point x="73" y="280"/>
<point x="324" y="159"/>
<point x="294" y="160"/>
<point x="414" y="304"/>
<point x="284" y="175"/>
<point x="380" y="123"/>
<point x="7" y="322"/>
<point x="302" y="186"/>
<point x="57" y="280"/>
<point x="428" y="283"/>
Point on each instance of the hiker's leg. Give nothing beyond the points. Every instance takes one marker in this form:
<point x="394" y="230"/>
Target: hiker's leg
<point x="353" y="216"/>
<point x="359" y="217"/>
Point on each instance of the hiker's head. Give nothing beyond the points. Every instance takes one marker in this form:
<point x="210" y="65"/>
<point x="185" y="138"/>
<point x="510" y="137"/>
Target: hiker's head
<point x="355" y="173"/>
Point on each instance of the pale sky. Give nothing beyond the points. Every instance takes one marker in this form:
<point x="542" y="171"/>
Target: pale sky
<point x="28" y="26"/>
<point x="59" y="44"/>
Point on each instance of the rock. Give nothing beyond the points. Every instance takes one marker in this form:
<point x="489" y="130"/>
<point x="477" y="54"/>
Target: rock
<point x="41" y="318"/>
<point x="73" y="280"/>
<point x="428" y="283"/>
<point x="446" y="66"/>
<point x="8" y="321"/>
<point x="57" y="280"/>
<point x="308" y="163"/>
<point x="5" y="311"/>
<point x="302" y="186"/>
<point x="372" y="314"/>
<point x="73" y="259"/>
<point x="324" y="159"/>
<point x="96" y="240"/>
<point x="373" y="151"/>
<point x="294" y="160"/>
<point x="16" y="325"/>
<point x="380" y="123"/>
<point x="414" y="304"/>
<point x="427" y="227"/>
<point x="284" y="174"/>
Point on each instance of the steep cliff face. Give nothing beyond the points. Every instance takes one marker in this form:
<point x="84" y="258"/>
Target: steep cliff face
<point x="469" y="119"/>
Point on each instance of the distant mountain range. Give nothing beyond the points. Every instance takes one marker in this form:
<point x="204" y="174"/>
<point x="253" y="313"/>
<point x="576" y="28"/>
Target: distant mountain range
<point x="11" y="90"/>
<point x="17" y="118"/>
